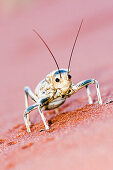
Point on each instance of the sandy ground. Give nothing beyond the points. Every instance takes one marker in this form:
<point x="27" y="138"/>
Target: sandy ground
<point x="80" y="135"/>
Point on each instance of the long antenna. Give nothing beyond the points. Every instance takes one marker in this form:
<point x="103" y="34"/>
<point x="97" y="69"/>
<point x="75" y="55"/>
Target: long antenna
<point x="47" y="48"/>
<point x="74" y="44"/>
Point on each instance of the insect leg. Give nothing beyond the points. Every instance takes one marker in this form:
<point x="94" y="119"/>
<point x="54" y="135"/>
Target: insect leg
<point x="41" y="106"/>
<point x="85" y="83"/>
<point x="43" y="118"/>
<point x="29" y="93"/>
<point x="89" y="95"/>
<point x="26" y="116"/>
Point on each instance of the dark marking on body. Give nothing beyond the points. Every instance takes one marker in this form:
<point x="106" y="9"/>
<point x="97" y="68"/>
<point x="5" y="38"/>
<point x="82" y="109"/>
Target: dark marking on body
<point x="63" y="96"/>
<point x="86" y="82"/>
<point x="69" y="91"/>
<point x="60" y="72"/>
<point x="33" y="99"/>
<point x="44" y="100"/>
<point x="86" y="86"/>
<point x="97" y="86"/>
<point x="31" y="108"/>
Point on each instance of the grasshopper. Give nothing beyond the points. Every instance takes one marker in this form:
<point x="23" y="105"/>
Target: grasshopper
<point x="53" y="91"/>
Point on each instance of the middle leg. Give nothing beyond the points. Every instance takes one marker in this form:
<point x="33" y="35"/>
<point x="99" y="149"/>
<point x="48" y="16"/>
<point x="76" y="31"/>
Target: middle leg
<point x="43" y="118"/>
<point x="26" y="116"/>
<point x="85" y="83"/>
<point x="28" y="109"/>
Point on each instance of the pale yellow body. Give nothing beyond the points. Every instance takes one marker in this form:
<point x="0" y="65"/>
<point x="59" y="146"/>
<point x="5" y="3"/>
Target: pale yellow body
<point x="53" y="91"/>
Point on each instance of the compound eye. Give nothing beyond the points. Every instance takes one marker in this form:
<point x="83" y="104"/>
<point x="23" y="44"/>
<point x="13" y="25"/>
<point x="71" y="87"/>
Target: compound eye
<point x="69" y="76"/>
<point x="57" y="79"/>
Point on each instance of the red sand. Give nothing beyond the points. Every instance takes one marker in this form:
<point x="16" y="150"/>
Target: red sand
<point x="81" y="135"/>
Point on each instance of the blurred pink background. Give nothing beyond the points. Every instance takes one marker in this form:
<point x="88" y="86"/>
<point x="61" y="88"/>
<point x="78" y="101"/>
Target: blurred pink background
<point x="24" y="60"/>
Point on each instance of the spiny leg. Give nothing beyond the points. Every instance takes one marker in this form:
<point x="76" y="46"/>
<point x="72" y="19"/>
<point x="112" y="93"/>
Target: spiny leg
<point x="26" y="100"/>
<point x="39" y="104"/>
<point x="35" y="106"/>
<point x="89" y="95"/>
<point x="26" y="116"/>
<point x="85" y="83"/>
<point x="98" y="92"/>
<point x="29" y="93"/>
<point x="43" y="119"/>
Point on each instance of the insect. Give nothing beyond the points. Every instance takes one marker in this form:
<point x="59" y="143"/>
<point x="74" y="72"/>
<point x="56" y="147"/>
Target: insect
<point x="52" y="92"/>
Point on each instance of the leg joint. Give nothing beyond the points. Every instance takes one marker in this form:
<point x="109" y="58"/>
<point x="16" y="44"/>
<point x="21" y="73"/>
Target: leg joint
<point x="26" y="113"/>
<point x="26" y="89"/>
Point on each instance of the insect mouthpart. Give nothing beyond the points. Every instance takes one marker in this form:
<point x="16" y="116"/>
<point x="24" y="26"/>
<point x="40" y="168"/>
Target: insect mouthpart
<point x="63" y="96"/>
<point x="69" y="91"/>
<point x="67" y="94"/>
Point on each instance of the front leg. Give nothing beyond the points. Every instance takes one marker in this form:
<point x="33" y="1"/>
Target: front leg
<point x="40" y="104"/>
<point x="43" y="118"/>
<point x="28" y="109"/>
<point x="85" y="83"/>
